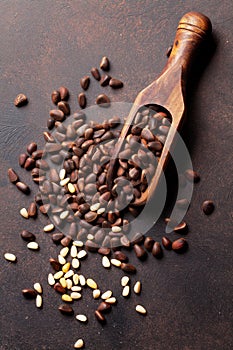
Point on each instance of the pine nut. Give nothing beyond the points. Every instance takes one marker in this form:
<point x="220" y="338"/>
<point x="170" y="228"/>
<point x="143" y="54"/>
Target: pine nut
<point x="64" y="214"/>
<point x="100" y="211"/>
<point x="137" y="287"/>
<point x="106" y="295"/>
<point x="75" y="263"/>
<point x="33" y="245"/>
<point x="79" y="344"/>
<point x="62" y="174"/>
<point x="69" y="283"/>
<point x="39" y="301"/>
<point x="116" y="262"/>
<point x="61" y="260"/>
<point x="67" y="298"/>
<point x="106" y="262"/>
<point x="111" y="300"/>
<point x="49" y="228"/>
<point x="81" y="318"/>
<point x="82" y="280"/>
<point x="65" y="181"/>
<point x="76" y="289"/>
<point x="63" y="282"/>
<point x="73" y="251"/>
<point x="124" y="281"/>
<point x="125" y="292"/>
<point x="64" y="251"/>
<point x="78" y="244"/>
<point x="96" y="293"/>
<point x="81" y="254"/>
<point x="24" y="213"/>
<point x="95" y="207"/>
<point x="116" y="229"/>
<point x="58" y="275"/>
<point x="140" y="309"/>
<point x="51" y="280"/>
<point x="38" y="288"/>
<point x="76" y="278"/>
<point x="66" y="267"/>
<point x="76" y="295"/>
<point x="71" y="188"/>
<point x="91" y="283"/>
<point x="69" y="274"/>
<point x="10" y="257"/>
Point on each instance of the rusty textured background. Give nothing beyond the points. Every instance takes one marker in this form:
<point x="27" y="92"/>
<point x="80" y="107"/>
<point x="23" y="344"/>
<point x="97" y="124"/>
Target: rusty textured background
<point x="189" y="297"/>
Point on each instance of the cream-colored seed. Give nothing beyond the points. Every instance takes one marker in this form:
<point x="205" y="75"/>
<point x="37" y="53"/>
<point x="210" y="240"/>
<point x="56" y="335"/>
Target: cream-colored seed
<point x="73" y="251"/>
<point x="76" y="279"/>
<point x="24" y="213"/>
<point x="67" y="298"/>
<point x="58" y="275"/>
<point x="116" y="229"/>
<point x="69" y="283"/>
<point x="140" y="309"/>
<point x="63" y="282"/>
<point x="78" y="244"/>
<point x="91" y="283"/>
<point x="10" y="257"/>
<point x="61" y="260"/>
<point x="126" y="291"/>
<point x="64" y="251"/>
<point x="62" y="174"/>
<point x="64" y="214"/>
<point x="79" y="344"/>
<point x="100" y="211"/>
<point x="75" y="263"/>
<point x="65" y="181"/>
<point x="106" y="295"/>
<point x="37" y="286"/>
<point x="49" y="228"/>
<point x="90" y="237"/>
<point x="33" y="245"/>
<point x="111" y="300"/>
<point x="71" y="188"/>
<point x="96" y="293"/>
<point x="76" y="295"/>
<point x="81" y="254"/>
<point x="124" y="281"/>
<point x="69" y="274"/>
<point x="137" y="287"/>
<point x="82" y="280"/>
<point x="81" y="318"/>
<point x="106" y="262"/>
<point x="51" y="280"/>
<point x="95" y="207"/>
<point x="116" y="262"/>
<point x="76" y="289"/>
<point x="39" y="301"/>
<point x="66" y="267"/>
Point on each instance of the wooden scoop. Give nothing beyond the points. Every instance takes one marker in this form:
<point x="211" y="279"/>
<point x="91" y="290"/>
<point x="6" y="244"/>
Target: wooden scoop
<point x="168" y="91"/>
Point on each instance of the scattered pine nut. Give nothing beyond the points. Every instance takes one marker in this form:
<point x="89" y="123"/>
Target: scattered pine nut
<point x="76" y="278"/>
<point x="95" y="207"/>
<point x="65" y="181"/>
<point x="39" y="301"/>
<point x="67" y="298"/>
<point x="10" y="257"/>
<point x="76" y="289"/>
<point x="91" y="283"/>
<point x="69" y="274"/>
<point x="33" y="245"/>
<point x="141" y="310"/>
<point x="71" y="188"/>
<point x="124" y="281"/>
<point x="81" y="318"/>
<point x="106" y="295"/>
<point x="100" y="211"/>
<point x="106" y="262"/>
<point x="78" y="244"/>
<point x="116" y="262"/>
<point x="38" y="288"/>
<point x="24" y="213"/>
<point x="75" y="263"/>
<point x="58" y="275"/>
<point x="66" y="267"/>
<point x="116" y="229"/>
<point x="51" y="280"/>
<point x="49" y="228"/>
<point x="111" y="300"/>
<point x="81" y="254"/>
<point x="82" y="280"/>
<point x="64" y="214"/>
<point x="63" y="282"/>
<point x="69" y="283"/>
<point x="96" y="293"/>
<point x="61" y="260"/>
<point x="73" y="251"/>
<point x="62" y="174"/>
<point x="64" y="251"/>
<point x="125" y="292"/>
<point x="137" y="287"/>
<point x="90" y="237"/>
<point x="79" y="344"/>
<point x="76" y="295"/>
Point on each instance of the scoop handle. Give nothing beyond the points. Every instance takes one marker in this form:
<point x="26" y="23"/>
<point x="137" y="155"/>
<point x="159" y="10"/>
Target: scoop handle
<point x="192" y="30"/>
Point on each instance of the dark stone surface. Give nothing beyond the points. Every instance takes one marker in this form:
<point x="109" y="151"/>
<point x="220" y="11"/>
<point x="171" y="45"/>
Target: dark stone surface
<point x="45" y="44"/>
